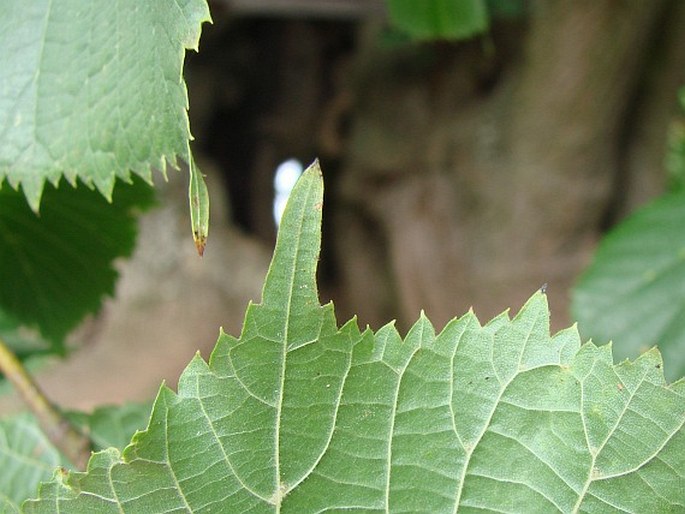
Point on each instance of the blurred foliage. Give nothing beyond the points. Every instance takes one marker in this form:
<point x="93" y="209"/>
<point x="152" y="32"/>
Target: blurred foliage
<point x="675" y="156"/>
<point x="633" y="293"/>
<point x="56" y="267"/>
<point x="446" y="19"/>
<point x="439" y="19"/>
<point x="508" y="9"/>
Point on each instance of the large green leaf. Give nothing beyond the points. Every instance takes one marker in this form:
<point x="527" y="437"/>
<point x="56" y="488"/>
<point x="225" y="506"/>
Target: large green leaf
<point x="298" y="415"/>
<point x="439" y="19"/>
<point x="55" y="268"/>
<point x="634" y="291"/>
<point x="92" y="89"/>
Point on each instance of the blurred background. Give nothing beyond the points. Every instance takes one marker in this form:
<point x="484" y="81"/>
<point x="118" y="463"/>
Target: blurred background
<point x="459" y="172"/>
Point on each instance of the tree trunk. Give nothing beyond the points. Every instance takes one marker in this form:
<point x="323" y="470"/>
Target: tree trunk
<point x="477" y="172"/>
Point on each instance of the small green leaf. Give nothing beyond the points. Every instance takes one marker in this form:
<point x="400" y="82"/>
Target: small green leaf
<point x="298" y="415"/>
<point x="634" y="291"/>
<point x="199" y="207"/>
<point x="55" y="268"/>
<point x="93" y="89"/>
<point x="439" y="19"/>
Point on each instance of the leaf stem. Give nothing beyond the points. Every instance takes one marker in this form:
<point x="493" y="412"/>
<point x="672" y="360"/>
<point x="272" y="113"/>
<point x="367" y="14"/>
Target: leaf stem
<point x="70" y="441"/>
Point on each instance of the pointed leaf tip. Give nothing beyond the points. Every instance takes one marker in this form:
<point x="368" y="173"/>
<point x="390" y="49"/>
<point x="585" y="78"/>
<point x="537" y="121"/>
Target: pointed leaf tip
<point x="200" y="243"/>
<point x="293" y="267"/>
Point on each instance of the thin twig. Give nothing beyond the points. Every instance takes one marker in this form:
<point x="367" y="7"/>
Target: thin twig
<point x="70" y="441"/>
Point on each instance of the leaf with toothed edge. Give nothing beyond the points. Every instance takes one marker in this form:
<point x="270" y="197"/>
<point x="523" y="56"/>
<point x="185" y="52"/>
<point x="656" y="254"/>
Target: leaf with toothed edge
<point x="298" y="415"/>
<point x="93" y="90"/>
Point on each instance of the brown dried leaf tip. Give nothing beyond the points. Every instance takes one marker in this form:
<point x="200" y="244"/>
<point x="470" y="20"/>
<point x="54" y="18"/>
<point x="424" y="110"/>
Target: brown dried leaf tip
<point x="200" y="243"/>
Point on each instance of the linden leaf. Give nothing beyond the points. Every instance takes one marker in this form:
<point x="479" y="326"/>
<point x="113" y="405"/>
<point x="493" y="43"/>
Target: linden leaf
<point x="298" y="415"/>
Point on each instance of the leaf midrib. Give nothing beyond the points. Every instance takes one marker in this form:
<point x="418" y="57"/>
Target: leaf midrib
<point x="280" y="490"/>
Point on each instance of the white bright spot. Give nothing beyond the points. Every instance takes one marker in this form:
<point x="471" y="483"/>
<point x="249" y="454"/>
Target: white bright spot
<point x="287" y="174"/>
